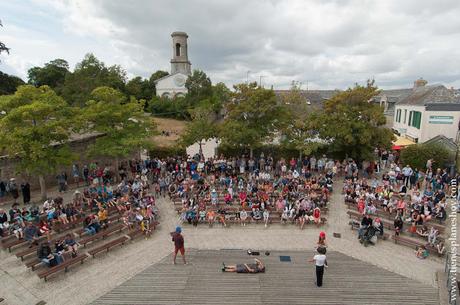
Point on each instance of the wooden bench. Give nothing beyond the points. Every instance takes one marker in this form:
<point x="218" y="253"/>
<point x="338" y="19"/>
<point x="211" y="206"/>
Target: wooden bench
<point x="413" y="243"/>
<point x="102" y="234"/>
<point x="19" y="242"/>
<point x="134" y="233"/>
<point x="33" y="263"/>
<point x="119" y="241"/>
<point x="63" y="266"/>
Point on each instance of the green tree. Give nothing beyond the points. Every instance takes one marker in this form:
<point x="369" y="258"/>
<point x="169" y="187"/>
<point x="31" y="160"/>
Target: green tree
<point x="202" y="128"/>
<point x="254" y="117"/>
<point x="140" y="88"/>
<point x="199" y="87"/>
<point x="416" y="156"/>
<point x="89" y="74"/>
<point x="3" y="47"/>
<point x="52" y="74"/>
<point x="36" y="125"/>
<point x="9" y="83"/>
<point x="125" y="126"/>
<point x="298" y="133"/>
<point x="352" y="124"/>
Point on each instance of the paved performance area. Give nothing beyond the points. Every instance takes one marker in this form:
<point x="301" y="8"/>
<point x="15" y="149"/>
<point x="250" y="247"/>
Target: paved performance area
<point x="347" y="281"/>
<point x="96" y="277"/>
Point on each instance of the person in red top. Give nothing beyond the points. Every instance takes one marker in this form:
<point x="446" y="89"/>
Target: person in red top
<point x="178" y="240"/>
<point x="317" y="216"/>
<point x="361" y="205"/>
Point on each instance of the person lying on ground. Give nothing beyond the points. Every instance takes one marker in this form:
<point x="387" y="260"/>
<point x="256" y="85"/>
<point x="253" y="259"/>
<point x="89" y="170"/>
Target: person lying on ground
<point x="257" y="267"/>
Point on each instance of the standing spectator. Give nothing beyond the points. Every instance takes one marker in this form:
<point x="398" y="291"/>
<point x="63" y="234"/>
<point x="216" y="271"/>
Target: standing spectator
<point x="86" y="174"/>
<point x="407" y="173"/>
<point x="2" y="190"/>
<point x="321" y="263"/>
<point x="25" y="189"/>
<point x="178" y="240"/>
<point x="76" y="174"/>
<point x="62" y="181"/>
<point x="13" y="189"/>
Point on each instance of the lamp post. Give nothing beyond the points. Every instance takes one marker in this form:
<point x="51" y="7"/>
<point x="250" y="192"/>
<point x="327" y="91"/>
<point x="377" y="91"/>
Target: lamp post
<point x="247" y="77"/>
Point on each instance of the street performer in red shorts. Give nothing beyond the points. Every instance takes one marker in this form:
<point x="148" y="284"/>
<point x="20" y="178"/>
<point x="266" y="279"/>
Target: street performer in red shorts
<point x="178" y="240"/>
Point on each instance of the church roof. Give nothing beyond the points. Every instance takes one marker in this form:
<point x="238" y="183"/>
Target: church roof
<point x="168" y="76"/>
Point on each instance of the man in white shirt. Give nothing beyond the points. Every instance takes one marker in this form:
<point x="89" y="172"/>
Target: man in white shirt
<point x="320" y="262"/>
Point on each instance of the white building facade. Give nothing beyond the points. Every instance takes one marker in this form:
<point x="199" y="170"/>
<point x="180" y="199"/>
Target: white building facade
<point x="173" y="85"/>
<point x="428" y="112"/>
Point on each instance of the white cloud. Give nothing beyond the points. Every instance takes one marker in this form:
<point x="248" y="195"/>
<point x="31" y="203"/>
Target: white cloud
<point x="330" y="44"/>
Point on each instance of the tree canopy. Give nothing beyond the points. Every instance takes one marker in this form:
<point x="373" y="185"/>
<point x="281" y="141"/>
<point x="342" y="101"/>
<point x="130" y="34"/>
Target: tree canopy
<point x="52" y="74"/>
<point x="416" y="156"/>
<point x="199" y="87"/>
<point x="202" y="127"/>
<point x="254" y="117"/>
<point x="140" y="88"/>
<point x="298" y="133"/>
<point x="352" y="124"/>
<point x="89" y="74"/>
<point x="36" y="126"/>
<point x="125" y="126"/>
<point x="9" y="83"/>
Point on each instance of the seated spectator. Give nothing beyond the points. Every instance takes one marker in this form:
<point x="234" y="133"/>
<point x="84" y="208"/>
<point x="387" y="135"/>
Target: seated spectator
<point x="423" y="231"/>
<point x="45" y="254"/>
<point x="256" y="215"/>
<point x="103" y="218"/>
<point x="4" y="224"/>
<point x="17" y="228"/>
<point x="421" y="252"/>
<point x="365" y="223"/>
<point x="432" y="236"/>
<point x="317" y="216"/>
<point x="440" y="213"/>
<point x="211" y="215"/>
<point x="266" y="215"/>
<point x="71" y="244"/>
<point x="243" y="217"/>
<point x="31" y="234"/>
<point x="398" y="224"/>
<point x="425" y="212"/>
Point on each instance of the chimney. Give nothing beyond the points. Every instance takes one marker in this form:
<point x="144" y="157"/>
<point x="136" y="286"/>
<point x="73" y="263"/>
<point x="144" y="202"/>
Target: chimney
<point x="420" y="83"/>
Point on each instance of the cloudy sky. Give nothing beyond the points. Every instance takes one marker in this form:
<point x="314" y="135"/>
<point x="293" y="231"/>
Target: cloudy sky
<point x="326" y="43"/>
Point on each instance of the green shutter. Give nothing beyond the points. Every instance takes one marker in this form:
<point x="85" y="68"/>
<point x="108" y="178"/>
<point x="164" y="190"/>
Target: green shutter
<point x="419" y="120"/>
<point x="410" y="118"/>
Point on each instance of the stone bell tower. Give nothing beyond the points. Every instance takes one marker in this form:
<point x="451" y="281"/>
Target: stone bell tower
<point x="179" y="61"/>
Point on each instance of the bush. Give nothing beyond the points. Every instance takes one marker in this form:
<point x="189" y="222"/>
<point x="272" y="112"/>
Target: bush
<point x="416" y="156"/>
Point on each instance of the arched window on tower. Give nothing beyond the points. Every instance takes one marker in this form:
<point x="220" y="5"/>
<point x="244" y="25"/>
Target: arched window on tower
<point x="177" y="49"/>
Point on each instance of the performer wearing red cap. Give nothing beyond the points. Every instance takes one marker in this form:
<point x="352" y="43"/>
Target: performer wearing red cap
<point x="321" y="240"/>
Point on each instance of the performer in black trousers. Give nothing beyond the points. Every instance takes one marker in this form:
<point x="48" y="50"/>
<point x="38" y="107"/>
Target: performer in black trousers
<point x="321" y="263"/>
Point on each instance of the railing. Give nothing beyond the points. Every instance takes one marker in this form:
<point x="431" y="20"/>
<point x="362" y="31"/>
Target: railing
<point x="452" y="288"/>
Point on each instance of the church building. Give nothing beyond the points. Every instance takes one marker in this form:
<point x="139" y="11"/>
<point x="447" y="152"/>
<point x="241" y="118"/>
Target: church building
<point x="173" y="85"/>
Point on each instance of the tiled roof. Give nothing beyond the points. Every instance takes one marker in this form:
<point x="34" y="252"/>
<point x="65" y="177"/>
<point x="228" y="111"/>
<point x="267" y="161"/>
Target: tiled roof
<point x="431" y="94"/>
